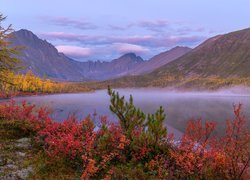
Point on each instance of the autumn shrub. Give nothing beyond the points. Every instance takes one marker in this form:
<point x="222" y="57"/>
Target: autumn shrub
<point x="62" y="139"/>
<point x="108" y="149"/>
<point x="137" y="146"/>
<point x="202" y="155"/>
<point x="235" y="146"/>
<point x="23" y="118"/>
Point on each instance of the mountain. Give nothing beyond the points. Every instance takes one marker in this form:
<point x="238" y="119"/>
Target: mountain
<point x="43" y="59"/>
<point x="129" y="64"/>
<point x="225" y="55"/>
<point x="160" y="60"/>
<point x="107" y="70"/>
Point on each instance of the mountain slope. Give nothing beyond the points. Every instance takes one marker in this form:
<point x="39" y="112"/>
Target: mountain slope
<point x="160" y="60"/>
<point x="43" y="59"/>
<point x="224" y="56"/>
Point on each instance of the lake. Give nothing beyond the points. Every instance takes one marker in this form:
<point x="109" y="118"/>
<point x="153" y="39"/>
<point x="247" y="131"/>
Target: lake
<point x="179" y="106"/>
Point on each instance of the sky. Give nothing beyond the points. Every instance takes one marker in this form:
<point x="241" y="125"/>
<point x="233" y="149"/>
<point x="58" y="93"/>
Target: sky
<point x="106" y="29"/>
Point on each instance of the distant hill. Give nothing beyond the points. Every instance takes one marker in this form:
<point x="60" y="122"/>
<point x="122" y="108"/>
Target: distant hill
<point x="43" y="59"/>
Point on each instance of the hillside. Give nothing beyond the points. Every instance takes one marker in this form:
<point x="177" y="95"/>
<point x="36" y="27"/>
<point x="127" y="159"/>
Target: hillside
<point x="224" y="56"/>
<point x="160" y="60"/>
<point x="43" y="59"/>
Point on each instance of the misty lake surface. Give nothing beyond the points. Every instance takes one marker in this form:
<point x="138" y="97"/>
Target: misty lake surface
<point x="179" y="106"/>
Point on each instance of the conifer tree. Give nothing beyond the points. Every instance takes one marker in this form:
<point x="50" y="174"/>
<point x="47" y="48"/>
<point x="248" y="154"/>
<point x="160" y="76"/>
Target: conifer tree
<point x="8" y="63"/>
<point x="132" y="118"/>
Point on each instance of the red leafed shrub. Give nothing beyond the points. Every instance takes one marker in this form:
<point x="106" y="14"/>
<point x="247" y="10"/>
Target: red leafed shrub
<point x="202" y="155"/>
<point x="109" y="145"/>
<point x="24" y="117"/>
<point x="235" y="146"/>
<point x="12" y="111"/>
<point x="192" y="154"/>
<point x="159" y="165"/>
<point x="63" y="139"/>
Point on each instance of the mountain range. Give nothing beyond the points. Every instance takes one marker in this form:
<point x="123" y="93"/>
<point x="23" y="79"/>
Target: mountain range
<point x="218" y="61"/>
<point x="223" y="56"/>
<point x="43" y="59"/>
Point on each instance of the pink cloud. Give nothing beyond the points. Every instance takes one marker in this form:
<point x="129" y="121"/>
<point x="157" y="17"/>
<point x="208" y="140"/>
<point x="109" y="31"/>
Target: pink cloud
<point x="128" y="48"/>
<point x="74" y="51"/>
<point x="151" y="25"/>
<point x="88" y="39"/>
<point x="64" y="21"/>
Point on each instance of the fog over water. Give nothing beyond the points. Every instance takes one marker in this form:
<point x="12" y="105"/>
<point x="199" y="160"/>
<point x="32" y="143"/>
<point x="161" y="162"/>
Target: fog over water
<point x="179" y="106"/>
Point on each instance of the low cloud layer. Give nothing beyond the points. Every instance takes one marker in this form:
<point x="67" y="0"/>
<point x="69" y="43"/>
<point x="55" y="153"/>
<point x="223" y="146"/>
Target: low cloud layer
<point x="74" y="51"/>
<point x="127" y="48"/>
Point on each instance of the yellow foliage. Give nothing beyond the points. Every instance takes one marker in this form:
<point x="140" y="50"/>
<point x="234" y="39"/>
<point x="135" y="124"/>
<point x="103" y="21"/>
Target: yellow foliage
<point x="29" y="83"/>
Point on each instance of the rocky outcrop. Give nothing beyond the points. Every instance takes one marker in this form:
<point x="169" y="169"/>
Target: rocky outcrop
<point x="12" y="158"/>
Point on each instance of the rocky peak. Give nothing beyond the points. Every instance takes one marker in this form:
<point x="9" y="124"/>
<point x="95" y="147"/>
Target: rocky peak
<point x="132" y="57"/>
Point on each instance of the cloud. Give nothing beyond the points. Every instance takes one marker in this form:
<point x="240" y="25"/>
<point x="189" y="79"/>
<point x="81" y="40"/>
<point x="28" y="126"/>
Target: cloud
<point x="64" y="21"/>
<point x="107" y="41"/>
<point x="118" y="28"/>
<point x="95" y="39"/>
<point x="136" y="39"/>
<point x="70" y="37"/>
<point x="128" y="48"/>
<point x="156" y="25"/>
<point x="143" y="40"/>
<point x="74" y="51"/>
<point x="164" y="26"/>
<point x="187" y="30"/>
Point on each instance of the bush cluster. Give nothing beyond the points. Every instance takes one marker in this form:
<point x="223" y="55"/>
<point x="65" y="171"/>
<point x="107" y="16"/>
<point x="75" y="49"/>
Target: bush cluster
<point x="138" y="145"/>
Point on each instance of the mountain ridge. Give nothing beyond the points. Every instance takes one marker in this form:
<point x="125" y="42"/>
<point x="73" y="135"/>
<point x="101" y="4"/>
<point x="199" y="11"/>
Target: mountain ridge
<point x="43" y="59"/>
